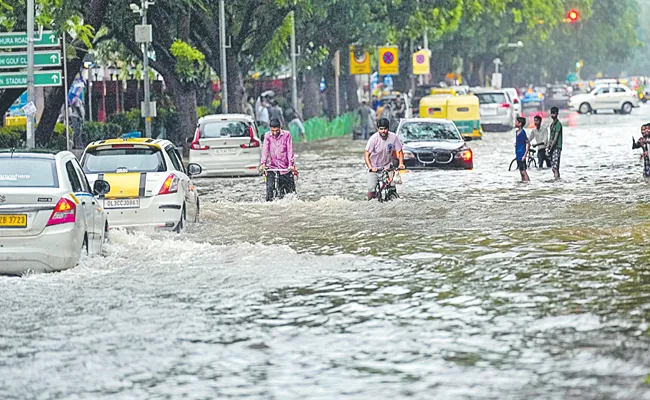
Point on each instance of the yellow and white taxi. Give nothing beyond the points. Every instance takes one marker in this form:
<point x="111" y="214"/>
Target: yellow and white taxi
<point x="150" y="185"/>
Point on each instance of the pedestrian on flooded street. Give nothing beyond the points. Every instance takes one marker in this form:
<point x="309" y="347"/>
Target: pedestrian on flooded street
<point x="522" y="145"/>
<point x="554" y="149"/>
<point x="643" y="143"/>
<point x="540" y="135"/>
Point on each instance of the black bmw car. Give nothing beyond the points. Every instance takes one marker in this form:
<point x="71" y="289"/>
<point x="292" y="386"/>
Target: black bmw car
<point x="433" y="143"/>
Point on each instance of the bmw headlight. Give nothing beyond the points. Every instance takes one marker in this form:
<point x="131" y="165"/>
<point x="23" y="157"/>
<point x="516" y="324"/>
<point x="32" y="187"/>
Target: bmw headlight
<point x="408" y="155"/>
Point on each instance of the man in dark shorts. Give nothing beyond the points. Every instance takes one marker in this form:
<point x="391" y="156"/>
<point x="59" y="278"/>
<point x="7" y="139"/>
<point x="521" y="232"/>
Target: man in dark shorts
<point x="522" y="145"/>
<point x="554" y="148"/>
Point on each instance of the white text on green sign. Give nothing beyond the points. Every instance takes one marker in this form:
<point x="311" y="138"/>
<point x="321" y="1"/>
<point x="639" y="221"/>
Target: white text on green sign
<point x="19" y="80"/>
<point x="41" y="59"/>
<point x="17" y="40"/>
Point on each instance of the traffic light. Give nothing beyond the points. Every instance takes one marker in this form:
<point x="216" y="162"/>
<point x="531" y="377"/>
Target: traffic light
<point x="573" y="15"/>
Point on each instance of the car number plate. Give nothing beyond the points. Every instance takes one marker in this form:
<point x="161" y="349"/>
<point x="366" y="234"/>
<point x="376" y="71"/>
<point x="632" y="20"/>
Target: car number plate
<point x="122" y="203"/>
<point x="13" y="220"/>
<point x="224" y="151"/>
<point x="489" y="111"/>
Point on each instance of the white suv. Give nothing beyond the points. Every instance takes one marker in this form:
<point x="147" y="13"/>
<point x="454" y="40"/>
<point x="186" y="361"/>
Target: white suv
<point x="606" y="97"/>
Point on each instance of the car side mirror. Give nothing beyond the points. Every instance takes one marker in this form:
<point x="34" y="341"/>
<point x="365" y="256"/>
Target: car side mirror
<point x="100" y="187"/>
<point x="194" y="169"/>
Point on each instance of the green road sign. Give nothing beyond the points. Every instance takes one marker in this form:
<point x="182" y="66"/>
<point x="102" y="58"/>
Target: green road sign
<point x="41" y="59"/>
<point x="19" y="80"/>
<point x="17" y="40"/>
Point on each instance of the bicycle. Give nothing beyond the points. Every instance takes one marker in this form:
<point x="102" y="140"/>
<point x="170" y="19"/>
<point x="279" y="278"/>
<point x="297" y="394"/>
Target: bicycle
<point x="531" y="161"/>
<point x="277" y="192"/>
<point x="385" y="190"/>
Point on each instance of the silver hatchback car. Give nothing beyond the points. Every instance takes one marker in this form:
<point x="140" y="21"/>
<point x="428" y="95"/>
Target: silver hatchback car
<point x="497" y="110"/>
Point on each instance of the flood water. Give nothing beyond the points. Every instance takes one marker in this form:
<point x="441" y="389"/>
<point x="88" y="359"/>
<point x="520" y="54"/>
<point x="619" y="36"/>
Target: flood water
<point x="471" y="286"/>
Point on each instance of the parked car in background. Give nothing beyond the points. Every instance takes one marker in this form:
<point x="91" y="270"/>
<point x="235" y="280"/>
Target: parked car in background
<point x="434" y="143"/>
<point x="150" y="185"/>
<point x="516" y="102"/>
<point x="49" y="212"/>
<point x="616" y="97"/>
<point x="558" y="96"/>
<point x="226" y="145"/>
<point x="497" y="111"/>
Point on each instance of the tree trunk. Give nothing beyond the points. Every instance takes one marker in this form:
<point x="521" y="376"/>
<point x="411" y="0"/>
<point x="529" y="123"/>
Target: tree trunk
<point x="93" y="15"/>
<point x="353" y="97"/>
<point x="54" y="100"/>
<point x="184" y="97"/>
<point x="236" y="91"/>
<point x="330" y="91"/>
<point x="311" y="93"/>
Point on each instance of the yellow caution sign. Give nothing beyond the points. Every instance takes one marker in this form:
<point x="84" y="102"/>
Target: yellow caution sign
<point x="388" y="61"/>
<point x="359" y="62"/>
<point x="421" y="63"/>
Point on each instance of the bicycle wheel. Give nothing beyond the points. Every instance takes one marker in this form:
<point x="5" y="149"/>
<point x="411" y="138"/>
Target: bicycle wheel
<point x="532" y="161"/>
<point x="511" y="163"/>
<point x="392" y="194"/>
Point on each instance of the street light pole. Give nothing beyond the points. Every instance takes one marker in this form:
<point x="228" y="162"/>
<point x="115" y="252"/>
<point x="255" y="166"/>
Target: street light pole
<point x="31" y="140"/>
<point x="224" y="72"/>
<point x="294" y="73"/>
<point x="147" y="89"/>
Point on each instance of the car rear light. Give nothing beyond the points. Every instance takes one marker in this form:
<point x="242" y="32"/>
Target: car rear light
<point x="122" y="146"/>
<point x="64" y="212"/>
<point x="505" y="105"/>
<point x="253" y="142"/>
<point x="170" y="185"/>
<point x="195" y="143"/>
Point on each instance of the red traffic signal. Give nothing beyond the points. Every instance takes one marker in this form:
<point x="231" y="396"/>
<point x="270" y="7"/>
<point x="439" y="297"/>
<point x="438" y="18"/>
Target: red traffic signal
<point x="573" y="15"/>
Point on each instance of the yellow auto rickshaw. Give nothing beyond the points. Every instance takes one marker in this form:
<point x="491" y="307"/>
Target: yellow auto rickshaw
<point x="463" y="110"/>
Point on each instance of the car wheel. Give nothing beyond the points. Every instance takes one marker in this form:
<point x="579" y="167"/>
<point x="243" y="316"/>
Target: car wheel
<point x="584" y="108"/>
<point x="181" y="223"/>
<point x="627" y="108"/>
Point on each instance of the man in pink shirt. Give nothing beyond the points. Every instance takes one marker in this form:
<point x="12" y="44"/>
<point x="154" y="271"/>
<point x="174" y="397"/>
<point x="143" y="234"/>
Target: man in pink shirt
<point x="277" y="156"/>
<point x="381" y="149"/>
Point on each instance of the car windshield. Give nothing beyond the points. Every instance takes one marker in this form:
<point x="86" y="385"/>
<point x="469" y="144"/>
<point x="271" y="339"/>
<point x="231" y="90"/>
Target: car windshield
<point x="28" y="172"/>
<point x="136" y="159"/>
<point x="491" y="98"/>
<point x="421" y="131"/>
<point x="224" y="129"/>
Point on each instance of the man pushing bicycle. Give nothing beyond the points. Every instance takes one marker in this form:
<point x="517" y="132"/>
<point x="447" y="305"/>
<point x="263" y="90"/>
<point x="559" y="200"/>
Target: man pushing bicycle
<point x="278" y="147"/>
<point x="382" y="147"/>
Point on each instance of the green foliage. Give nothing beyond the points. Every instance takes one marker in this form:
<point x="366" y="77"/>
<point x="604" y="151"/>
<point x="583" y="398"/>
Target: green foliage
<point x="12" y="136"/>
<point x="129" y="121"/>
<point x="190" y="64"/>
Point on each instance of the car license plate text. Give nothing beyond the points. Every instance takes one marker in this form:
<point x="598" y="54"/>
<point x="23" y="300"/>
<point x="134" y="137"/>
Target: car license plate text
<point x="224" y="151"/>
<point x="489" y="111"/>
<point x="13" y="220"/>
<point x="122" y="203"/>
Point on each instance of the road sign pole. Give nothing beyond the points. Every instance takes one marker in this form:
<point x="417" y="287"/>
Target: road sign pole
<point x="31" y="141"/>
<point x="147" y="89"/>
<point x="224" y="66"/>
<point x="65" y="94"/>
<point x="294" y="70"/>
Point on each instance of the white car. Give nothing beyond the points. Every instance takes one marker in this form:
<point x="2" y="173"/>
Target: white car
<point x="150" y="186"/>
<point x="226" y="145"/>
<point x="618" y="98"/>
<point x="49" y="213"/>
<point x="516" y="102"/>
<point x="497" y="111"/>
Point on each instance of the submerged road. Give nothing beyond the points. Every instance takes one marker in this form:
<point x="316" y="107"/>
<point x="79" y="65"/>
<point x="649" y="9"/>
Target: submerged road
<point x="472" y="286"/>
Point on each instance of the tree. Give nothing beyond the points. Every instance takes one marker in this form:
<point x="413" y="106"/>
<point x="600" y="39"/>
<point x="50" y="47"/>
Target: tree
<point x="81" y="19"/>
